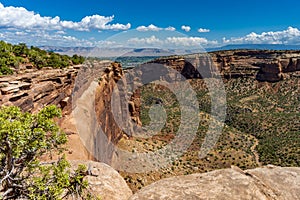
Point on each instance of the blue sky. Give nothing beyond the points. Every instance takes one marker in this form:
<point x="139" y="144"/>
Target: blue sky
<point x="189" y="22"/>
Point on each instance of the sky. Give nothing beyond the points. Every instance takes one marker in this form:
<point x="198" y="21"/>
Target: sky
<point x="167" y="23"/>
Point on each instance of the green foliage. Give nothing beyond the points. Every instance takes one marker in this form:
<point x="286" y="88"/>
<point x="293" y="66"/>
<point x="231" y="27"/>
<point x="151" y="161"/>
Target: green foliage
<point x="20" y="50"/>
<point x="4" y="70"/>
<point x="58" y="61"/>
<point x="77" y="59"/>
<point x="24" y="138"/>
<point x="60" y="182"/>
<point x="269" y="113"/>
<point x="14" y="55"/>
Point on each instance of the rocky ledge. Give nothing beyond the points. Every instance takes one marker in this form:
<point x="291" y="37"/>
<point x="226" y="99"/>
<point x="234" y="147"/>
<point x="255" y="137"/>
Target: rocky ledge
<point x="35" y="88"/>
<point x="267" y="183"/>
<point x="264" y="183"/>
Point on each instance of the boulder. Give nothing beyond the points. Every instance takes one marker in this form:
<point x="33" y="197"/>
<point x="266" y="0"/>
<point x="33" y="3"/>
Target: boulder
<point x="104" y="181"/>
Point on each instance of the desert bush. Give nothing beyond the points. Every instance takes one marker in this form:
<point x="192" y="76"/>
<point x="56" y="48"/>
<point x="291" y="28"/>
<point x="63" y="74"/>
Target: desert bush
<point x="24" y="139"/>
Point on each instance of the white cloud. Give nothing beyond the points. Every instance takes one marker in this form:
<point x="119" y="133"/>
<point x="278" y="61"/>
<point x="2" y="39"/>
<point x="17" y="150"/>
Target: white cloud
<point x="225" y="40"/>
<point x="289" y="36"/>
<point x="21" y="33"/>
<point x="95" y="22"/>
<point x="190" y="41"/>
<point x="57" y="38"/>
<point x="203" y="30"/>
<point x="61" y="32"/>
<point x="152" y="27"/>
<point x="172" y="42"/>
<point x="145" y="41"/>
<point x="40" y="38"/>
<point x="186" y="28"/>
<point x="21" y="18"/>
<point x="170" y="28"/>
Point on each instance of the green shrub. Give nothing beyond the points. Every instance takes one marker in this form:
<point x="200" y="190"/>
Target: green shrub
<point x="4" y="70"/>
<point x="26" y="137"/>
<point x="13" y="55"/>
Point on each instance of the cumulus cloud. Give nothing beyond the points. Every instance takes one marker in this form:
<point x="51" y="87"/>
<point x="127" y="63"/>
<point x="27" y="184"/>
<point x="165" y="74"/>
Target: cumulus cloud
<point x="289" y="36"/>
<point x="153" y="40"/>
<point x="172" y="41"/>
<point x="189" y="41"/>
<point x="186" y="28"/>
<point x="21" y="33"/>
<point x="61" y="32"/>
<point x="203" y="30"/>
<point x="21" y="18"/>
<point x="41" y="37"/>
<point x="152" y="27"/>
<point x="170" y="28"/>
<point x="95" y="22"/>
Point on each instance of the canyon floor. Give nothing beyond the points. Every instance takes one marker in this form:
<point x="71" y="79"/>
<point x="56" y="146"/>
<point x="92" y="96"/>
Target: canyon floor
<point x="262" y="127"/>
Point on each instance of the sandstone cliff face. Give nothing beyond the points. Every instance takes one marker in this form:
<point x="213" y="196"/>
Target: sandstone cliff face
<point x="263" y="65"/>
<point x="109" y="132"/>
<point x="94" y="112"/>
<point x="33" y="89"/>
<point x="37" y="88"/>
<point x="111" y="75"/>
<point x="269" y="183"/>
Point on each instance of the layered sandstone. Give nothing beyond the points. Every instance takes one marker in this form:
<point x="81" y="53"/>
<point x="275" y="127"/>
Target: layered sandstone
<point x="263" y="65"/>
<point x="35" y="89"/>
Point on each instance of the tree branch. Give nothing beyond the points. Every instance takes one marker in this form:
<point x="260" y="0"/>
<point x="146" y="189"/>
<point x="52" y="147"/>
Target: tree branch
<point x="6" y="193"/>
<point x="6" y="176"/>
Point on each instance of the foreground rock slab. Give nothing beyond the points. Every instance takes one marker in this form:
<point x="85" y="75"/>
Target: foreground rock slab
<point x="105" y="182"/>
<point x="268" y="183"/>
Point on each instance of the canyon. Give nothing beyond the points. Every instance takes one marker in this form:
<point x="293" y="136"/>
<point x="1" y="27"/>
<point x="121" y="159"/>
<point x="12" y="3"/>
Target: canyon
<point x="31" y="89"/>
<point x="86" y="103"/>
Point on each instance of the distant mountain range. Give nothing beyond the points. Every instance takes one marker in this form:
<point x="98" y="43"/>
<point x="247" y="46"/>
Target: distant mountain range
<point x="117" y="52"/>
<point x="140" y="52"/>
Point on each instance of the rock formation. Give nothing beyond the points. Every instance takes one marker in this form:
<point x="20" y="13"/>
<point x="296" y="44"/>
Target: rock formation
<point x="264" y="65"/>
<point x="99" y="116"/>
<point x="269" y="183"/>
<point x="35" y="89"/>
<point x="104" y="181"/>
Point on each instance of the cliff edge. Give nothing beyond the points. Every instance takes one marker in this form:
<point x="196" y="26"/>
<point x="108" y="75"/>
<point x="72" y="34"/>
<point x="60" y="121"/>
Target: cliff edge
<point x="267" y="183"/>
